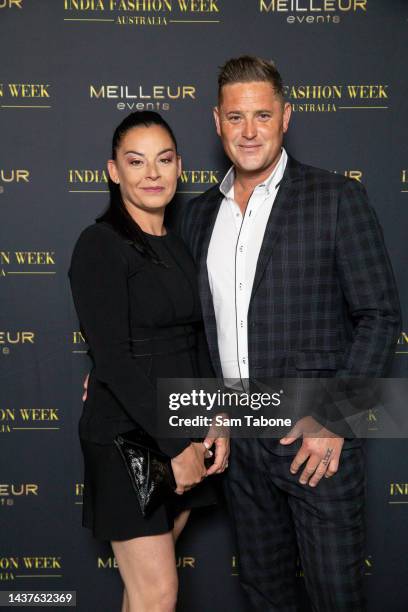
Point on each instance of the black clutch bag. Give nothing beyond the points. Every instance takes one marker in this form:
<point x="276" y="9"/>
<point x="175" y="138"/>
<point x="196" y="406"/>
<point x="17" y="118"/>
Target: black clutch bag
<point x="149" y="469"/>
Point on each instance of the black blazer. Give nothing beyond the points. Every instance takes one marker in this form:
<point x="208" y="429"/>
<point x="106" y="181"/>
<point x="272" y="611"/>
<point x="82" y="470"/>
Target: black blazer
<point x="324" y="300"/>
<point x="141" y="321"/>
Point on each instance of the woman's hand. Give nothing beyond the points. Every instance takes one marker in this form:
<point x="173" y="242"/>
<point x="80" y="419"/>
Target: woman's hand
<point x="188" y="467"/>
<point x="218" y="435"/>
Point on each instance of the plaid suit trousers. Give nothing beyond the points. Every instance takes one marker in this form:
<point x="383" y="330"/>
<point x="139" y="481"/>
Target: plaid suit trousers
<point x="278" y="520"/>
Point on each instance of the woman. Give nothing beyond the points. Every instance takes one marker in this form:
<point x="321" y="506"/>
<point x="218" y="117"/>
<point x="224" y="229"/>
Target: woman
<point x="135" y="292"/>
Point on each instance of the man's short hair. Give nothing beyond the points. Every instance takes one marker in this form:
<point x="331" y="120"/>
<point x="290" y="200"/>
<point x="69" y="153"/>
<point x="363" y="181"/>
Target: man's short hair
<point x="248" y="68"/>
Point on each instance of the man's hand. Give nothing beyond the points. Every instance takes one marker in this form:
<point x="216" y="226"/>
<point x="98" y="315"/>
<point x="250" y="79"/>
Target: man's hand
<point x="85" y="394"/>
<point x="188" y="467"/>
<point x="321" y="453"/>
<point x="218" y="435"/>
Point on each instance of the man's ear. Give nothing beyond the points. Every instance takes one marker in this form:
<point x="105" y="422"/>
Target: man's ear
<point x="112" y="170"/>
<point x="287" y="112"/>
<point x="216" y="114"/>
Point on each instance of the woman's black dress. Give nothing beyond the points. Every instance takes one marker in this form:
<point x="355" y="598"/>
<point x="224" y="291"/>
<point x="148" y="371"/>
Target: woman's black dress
<point x="142" y="320"/>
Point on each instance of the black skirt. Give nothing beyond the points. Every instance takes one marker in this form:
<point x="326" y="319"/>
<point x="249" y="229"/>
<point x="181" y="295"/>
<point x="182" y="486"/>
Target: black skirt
<point x="110" y="505"/>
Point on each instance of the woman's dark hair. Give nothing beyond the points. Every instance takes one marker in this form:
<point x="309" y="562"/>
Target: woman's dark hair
<point x="117" y="214"/>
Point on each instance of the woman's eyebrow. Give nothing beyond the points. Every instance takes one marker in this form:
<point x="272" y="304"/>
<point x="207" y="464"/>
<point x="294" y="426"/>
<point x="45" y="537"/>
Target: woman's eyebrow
<point x="143" y="155"/>
<point x="166" y="151"/>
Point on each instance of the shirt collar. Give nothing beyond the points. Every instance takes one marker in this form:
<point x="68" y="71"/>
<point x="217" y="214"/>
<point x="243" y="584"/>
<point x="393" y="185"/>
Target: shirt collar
<point x="227" y="184"/>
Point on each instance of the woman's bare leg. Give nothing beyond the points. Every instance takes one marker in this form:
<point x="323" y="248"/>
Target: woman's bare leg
<point x="179" y="523"/>
<point x="147" y="566"/>
<point x="125" y="602"/>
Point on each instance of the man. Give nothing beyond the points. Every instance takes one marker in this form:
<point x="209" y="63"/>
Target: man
<point x="295" y="281"/>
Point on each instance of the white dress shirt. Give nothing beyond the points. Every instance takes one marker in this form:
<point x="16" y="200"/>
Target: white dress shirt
<point x="231" y="263"/>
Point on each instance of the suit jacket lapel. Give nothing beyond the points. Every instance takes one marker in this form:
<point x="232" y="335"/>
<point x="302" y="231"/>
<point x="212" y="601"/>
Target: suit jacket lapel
<point x="277" y="218"/>
<point x="207" y="221"/>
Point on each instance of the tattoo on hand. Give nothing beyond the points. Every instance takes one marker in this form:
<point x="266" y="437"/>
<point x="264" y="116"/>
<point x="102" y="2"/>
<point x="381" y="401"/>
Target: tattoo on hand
<point x="326" y="458"/>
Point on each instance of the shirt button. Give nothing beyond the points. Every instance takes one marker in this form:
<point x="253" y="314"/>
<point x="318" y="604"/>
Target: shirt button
<point x="241" y="248"/>
<point x="240" y="285"/>
<point x="244" y="360"/>
<point x="242" y="324"/>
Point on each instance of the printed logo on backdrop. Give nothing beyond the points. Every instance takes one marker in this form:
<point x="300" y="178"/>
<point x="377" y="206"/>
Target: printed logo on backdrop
<point x="24" y="263"/>
<point x="111" y="563"/>
<point x="138" y="97"/>
<point x="404" y="180"/>
<point x="373" y="419"/>
<point x="78" y="493"/>
<point x="398" y="493"/>
<point x="11" y="493"/>
<point x="326" y="98"/>
<point x="13" y="176"/>
<point x="402" y="344"/>
<point x="306" y="12"/>
<point x="357" y="175"/>
<point x="79" y="345"/>
<point x="87" y="180"/>
<point x="25" y="96"/>
<point x="12" y="339"/>
<point x="193" y="182"/>
<point x="14" y="567"/>
<point x="95" y="180"/>
<point x="9" y="4"/>
<point x="177" y="13"/>
<point x="28" y="419"/>
<point x="368" y="565"/>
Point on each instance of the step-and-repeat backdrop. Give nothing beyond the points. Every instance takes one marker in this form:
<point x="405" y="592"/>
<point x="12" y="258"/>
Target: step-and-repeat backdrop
<point x="70" y="71"/>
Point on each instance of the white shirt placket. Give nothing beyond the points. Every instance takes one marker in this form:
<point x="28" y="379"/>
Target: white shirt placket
<point x="241" y="295"/>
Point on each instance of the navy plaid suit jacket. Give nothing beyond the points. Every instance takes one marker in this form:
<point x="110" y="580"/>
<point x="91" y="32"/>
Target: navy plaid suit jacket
<point x="324" y="300"/>
<point x="324" y="295"/>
